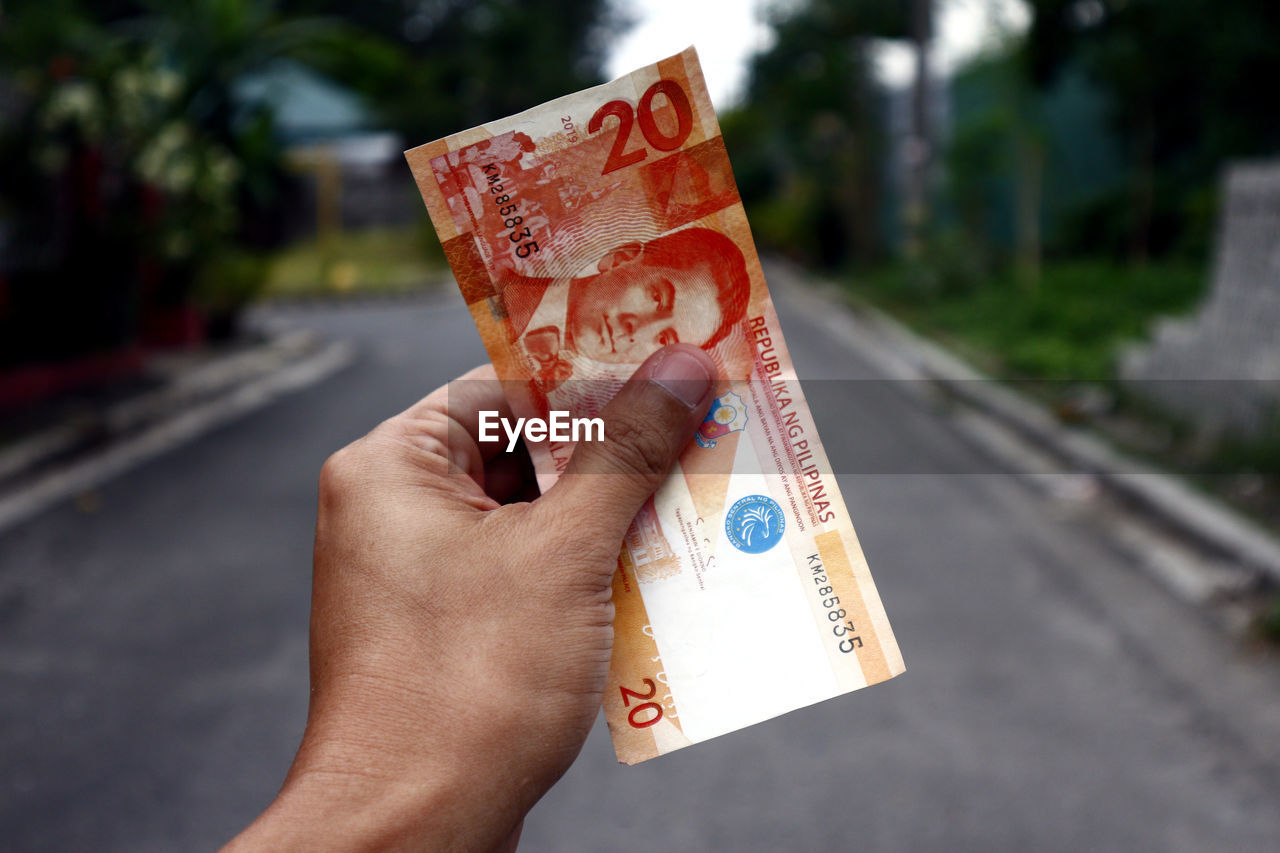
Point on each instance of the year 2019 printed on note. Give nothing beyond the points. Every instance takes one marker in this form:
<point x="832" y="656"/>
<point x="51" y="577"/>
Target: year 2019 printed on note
<point x="584" y="235"/>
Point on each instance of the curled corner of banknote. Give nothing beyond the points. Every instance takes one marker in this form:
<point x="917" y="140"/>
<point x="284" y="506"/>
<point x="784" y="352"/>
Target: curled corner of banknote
<point x="584" y="234"/>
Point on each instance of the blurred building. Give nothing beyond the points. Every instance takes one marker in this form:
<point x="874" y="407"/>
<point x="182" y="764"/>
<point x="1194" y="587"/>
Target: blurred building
<point x="353" y="172"/>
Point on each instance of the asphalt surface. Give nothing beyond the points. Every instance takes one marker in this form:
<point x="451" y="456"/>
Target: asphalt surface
<point x="153" y="669"/>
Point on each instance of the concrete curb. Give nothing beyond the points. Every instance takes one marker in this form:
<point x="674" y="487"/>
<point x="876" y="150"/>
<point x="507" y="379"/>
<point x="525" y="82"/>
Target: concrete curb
<point x="905" y="355"/>
<point x="73" y="457"/>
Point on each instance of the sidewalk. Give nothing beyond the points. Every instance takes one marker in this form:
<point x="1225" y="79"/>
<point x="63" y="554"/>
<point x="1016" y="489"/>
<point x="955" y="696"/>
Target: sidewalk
<point x="182" y="396"/>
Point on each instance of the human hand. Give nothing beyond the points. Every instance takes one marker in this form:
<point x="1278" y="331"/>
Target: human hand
<point x="460" y="644"/>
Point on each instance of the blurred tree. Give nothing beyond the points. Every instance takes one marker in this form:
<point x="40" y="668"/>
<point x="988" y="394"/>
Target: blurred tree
<point x="213" y="44"/>
<point x="126" y="171"/>
<point x="434" y="67"/>
<point x="1190" y="84"/>
<point x="131" y="176"/>
<point x="998" y="149"/>
<point x="808" y="142"/>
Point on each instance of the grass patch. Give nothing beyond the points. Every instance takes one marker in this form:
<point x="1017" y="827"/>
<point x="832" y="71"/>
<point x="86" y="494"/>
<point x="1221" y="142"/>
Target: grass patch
<point x="1268" y="625"/>
<point x="1070" y="325"/>
<point x="372" y="261"/>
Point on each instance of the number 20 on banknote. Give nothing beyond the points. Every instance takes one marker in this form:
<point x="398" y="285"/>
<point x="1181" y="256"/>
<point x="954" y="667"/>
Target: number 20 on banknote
<point x="585" y="234"/>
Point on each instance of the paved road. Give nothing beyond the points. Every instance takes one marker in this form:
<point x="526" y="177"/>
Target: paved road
<point x="153" y="654"/>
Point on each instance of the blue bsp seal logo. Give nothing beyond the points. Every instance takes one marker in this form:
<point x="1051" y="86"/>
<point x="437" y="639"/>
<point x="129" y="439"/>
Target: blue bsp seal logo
<point x="754" y="524"/>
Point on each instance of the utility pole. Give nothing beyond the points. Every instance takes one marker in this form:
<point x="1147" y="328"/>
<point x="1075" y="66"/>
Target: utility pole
<point x="919" y="149"/>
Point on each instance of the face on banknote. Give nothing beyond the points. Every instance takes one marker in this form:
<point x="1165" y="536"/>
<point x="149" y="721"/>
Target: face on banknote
<point x="585" y="234"/>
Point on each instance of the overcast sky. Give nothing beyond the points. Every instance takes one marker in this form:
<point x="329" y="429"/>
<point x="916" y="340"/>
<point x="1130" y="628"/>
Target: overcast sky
<point x="726" y="32"/>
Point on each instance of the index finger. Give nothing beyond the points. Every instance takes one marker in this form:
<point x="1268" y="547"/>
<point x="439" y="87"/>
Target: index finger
<point x="461" y="401"/>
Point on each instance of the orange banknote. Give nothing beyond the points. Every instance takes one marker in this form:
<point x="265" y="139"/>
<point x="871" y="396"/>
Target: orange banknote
<point x="585" y="234"/>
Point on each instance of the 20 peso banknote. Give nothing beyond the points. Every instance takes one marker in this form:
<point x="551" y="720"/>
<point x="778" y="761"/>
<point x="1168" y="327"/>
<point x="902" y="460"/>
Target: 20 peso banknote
<point x="585" y="234"/>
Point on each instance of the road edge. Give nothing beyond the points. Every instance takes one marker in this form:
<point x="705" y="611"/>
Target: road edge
<point x="34" y="477"/>
<point x="1171" y="503"/>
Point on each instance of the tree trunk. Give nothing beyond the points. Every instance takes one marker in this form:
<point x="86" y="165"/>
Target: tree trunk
<point x="1029" y="190"/>
<point x="919" y="152"/>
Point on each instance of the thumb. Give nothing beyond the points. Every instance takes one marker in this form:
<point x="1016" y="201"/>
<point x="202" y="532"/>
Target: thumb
<point x="645" y="427"/>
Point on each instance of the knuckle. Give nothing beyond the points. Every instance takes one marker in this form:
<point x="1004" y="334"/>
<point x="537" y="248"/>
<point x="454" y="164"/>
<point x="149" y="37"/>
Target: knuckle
<point x="335" y="473"/>
<point x="337" y="477"/>
<point x="425" y="433"/>
<point x="346" y="470"/>
<point x="429" y="422"/>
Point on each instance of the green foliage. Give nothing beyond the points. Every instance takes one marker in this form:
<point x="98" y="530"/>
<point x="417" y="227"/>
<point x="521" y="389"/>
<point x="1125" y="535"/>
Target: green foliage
<point x="1269" y="623"/>
<point x="1188" y="86"/>
<point x="998" y="135"/>
<point x="1259" y="455"/>
<point x="127" y="172"/>
<point x="808" y="143"/>
<point x="1071" y="326"/>
<point x="228" y="282"/>
<point x="439" y="67"/>
<point x="131" y="177"/>
<point x="1135" y="105"/>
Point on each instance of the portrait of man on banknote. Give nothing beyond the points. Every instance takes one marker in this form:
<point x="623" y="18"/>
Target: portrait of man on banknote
<point x="687" y="286"/>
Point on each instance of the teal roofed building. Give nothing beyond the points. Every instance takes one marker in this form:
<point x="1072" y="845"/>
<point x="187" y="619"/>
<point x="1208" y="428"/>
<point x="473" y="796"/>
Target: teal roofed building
<point x="308" y="107"/>
<point x="354" y="170"/>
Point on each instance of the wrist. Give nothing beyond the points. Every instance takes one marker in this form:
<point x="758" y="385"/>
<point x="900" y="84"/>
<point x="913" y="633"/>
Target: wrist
<point x="348" y="810"/>
<point x="342" y="795"/>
